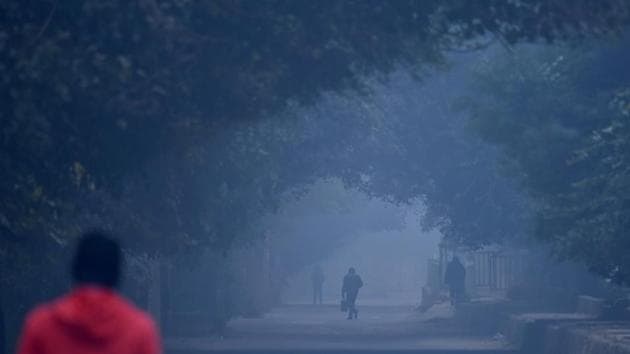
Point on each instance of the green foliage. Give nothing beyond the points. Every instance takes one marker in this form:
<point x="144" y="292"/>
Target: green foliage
<point x="133" y="115"/>
<point x="560" y="115"/>
<point x="423" y="152"/>
<point x="94" y="91"/>
<point x="598" y="202"/>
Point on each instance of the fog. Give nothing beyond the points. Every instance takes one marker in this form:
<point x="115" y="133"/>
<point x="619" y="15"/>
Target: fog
<point x="306" y="176"/>
<point x="393" y="266"/>
<point x="390" y="255"/>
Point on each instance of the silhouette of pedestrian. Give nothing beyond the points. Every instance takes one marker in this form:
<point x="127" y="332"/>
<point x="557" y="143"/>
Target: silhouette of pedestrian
<point x="317" y="278"/>
<point x="455" y="279"/>
<point x="92" y="317"/>
<point x="349" y="290"/>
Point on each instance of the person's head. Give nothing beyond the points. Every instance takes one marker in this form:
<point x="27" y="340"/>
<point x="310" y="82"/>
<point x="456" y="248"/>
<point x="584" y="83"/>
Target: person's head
<point x="97" y="260"/>
<point x="351" y="270"/>
<point x="456" y="259"/>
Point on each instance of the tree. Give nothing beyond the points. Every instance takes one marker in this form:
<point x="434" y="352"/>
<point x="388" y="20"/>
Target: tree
<point x="406" y="143"/>
<point x="100" y="100"/>
<point x="559" y="116"/>
<point x="131" y="81"/>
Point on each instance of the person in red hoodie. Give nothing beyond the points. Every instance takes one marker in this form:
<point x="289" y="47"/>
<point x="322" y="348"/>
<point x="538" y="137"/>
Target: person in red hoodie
<point x="93" y="318"/>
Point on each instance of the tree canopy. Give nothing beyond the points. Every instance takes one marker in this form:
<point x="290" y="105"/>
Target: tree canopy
<point x="94" y="91"/>
<point x="559" y="116"/>
<point x="171" y="121"/>
<point x="180" y="124"/>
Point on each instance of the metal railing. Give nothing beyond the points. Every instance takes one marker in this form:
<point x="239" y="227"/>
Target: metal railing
<point x="496" y="269"/>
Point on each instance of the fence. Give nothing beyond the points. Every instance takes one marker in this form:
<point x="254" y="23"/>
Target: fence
<point x="495" y="269"/>
<point x="491" y="268"/>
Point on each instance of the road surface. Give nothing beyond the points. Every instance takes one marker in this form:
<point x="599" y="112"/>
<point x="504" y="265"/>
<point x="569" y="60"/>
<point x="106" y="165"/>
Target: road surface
<point x="323" y="329"/>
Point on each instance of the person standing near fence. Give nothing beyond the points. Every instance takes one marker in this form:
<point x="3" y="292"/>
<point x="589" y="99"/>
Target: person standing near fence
<point x="455" y="279"/>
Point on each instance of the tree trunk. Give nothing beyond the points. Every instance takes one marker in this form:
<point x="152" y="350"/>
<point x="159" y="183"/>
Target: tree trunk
<point x="155" y="292"/>
<point x="3" y="335"/>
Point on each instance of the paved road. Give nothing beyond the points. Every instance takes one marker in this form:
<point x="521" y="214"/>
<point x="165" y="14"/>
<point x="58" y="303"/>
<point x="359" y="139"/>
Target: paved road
<point x="311" y="329"/>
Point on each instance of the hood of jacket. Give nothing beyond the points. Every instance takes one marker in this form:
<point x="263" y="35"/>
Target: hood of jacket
<point x="91" y="313"/>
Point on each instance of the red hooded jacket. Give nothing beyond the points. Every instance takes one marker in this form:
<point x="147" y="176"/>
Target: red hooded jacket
<point x="89" y="320"/>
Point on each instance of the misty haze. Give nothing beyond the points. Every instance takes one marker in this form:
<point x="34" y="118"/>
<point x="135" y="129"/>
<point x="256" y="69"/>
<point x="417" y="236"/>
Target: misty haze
<point x="325" y="176"/>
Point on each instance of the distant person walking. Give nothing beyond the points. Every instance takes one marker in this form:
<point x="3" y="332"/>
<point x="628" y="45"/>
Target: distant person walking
<point x="92" y="318"/>
<point x="349" y="290"/>
<point x="455" y="279"/>
<point x="317" y="279"/>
